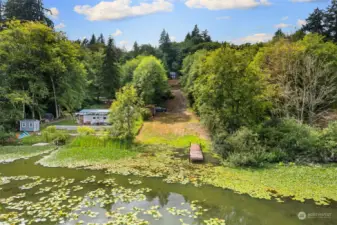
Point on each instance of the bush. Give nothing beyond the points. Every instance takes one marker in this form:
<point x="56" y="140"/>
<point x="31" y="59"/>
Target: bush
<point x="299" y="142"/>
<point x="244" y="140"/>
<point x="220" y="145"/>
<point x="60" y="138"/>
<point x="51" y="129"/>
<point x="243" y="159"/>
<point x="328" y="141"/>
<point x="146" y="114"/>
<point x="51" y="134"/>
<point x="85" y="131"/>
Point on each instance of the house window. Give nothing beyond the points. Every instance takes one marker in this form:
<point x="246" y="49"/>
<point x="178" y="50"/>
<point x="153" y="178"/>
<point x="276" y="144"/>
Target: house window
<point x="23" y="124"/>
<point x="94" y="118"/>
<point x="105" y="118"/>
<point x="30" y="125"/>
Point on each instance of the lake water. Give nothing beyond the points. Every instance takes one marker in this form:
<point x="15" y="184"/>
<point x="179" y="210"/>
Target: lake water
<point x="212" y="202"/>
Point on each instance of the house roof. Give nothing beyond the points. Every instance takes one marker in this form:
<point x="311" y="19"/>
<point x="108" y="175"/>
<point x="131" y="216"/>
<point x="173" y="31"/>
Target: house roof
<point x="30" y="120"/>
<point x="100" y="111"/>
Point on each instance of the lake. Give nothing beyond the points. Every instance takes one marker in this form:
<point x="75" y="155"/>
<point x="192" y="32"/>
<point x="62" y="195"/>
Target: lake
<point x="96" y="197"/>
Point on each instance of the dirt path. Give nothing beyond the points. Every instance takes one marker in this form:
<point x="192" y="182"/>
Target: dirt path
<point x="177" y="122"/>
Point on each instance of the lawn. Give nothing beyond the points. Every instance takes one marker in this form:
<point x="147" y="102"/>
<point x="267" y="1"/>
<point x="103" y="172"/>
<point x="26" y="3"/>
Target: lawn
<point x="88" y="151"/>
<point x="68" y="121"/>
<point x="12" y="153"/>
<point x="174" y="129"/>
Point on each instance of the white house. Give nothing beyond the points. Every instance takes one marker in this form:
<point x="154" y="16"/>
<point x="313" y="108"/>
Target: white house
<point x="30" y="125"/>
<point x="93" y="117"/>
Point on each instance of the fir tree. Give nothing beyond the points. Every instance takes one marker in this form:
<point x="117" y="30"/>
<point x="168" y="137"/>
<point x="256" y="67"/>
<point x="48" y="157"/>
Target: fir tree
<point x="110" y="70"/>
<point x="315" y="22"/>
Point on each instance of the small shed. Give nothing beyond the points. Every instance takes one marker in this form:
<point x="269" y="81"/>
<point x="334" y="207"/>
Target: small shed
<point x="30" y="125"/>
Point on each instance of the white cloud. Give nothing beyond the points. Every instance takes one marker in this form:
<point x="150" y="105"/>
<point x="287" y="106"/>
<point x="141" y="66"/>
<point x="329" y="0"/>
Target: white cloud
<point x="60" y="26"/>
<point x="173" y="38"/>
<point x="223" y="18"/>
<point x="305" y="0"/>
<point x="120" y="9"/>
<point x="225" y="4"/>
<point x="282" y="25"/>
<point x="53" y="13"/>
<point x="125" y="44"/>
<point x="255" y="38"/>
<point x="118" y="32"/>
<point x="285" y="18"/>
<point x="301" y="23"/>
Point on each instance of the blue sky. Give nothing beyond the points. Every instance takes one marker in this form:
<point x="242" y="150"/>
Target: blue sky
<point x="128" y="21"/>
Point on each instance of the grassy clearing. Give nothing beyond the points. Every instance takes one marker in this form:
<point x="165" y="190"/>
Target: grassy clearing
<point x="177" y="130"/>
<point x="66" y="122"/>
<point x="88" y="151"/>
<point x="178" y="141"/>
<point x="12" y="153"/>
<point x="33" y="139"/>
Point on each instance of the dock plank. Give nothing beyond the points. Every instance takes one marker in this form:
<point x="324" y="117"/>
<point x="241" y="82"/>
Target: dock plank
<point x="196" y="153"/>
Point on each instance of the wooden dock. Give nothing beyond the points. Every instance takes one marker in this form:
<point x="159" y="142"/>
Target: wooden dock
<point x="196" y="154"/>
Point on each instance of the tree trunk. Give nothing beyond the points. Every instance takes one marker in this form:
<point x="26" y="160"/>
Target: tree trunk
<point x="55" y="100"/>
<point x="23" y="111"/>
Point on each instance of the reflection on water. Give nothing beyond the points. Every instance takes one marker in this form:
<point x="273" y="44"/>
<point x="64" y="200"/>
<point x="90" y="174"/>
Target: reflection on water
<point x="218" y="203"/>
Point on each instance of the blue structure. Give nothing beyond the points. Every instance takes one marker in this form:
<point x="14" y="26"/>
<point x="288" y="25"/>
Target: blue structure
<point x="23" y="135"/>
<point x="30" y="125"/>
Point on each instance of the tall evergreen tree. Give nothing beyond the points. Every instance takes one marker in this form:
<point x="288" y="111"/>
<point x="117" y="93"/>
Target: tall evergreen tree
<point x="110" y="70"/>
<point x="195" y="32"/>
<point x="188" y="36"/>
<point x="331" y="20"/>
<point x="315" y="22"/>
<point x="101" y="39"/>
<point x="278" y="35"/>
<point x="205" y="36"/>
<point x="27" y="10"/>
<point x="85" y="42"/>
<point x="93" y="40"/>
<point x="196" y="37"/>
<point x="136" y="49"/>
<point x="164" y="41"/>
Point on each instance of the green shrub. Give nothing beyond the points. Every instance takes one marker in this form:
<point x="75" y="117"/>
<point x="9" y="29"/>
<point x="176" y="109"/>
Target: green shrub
<point x="94" y="141"/>
<point x="220" y="145"/>
<point x="33" y="139"/>
<point x="241" y="148"/>
<point x="300" y="142"/>
<point x="244" y="140"/>
<point x="85" y="130"/>
<point x="51" y="129"/>
<point x="146" y="114"/>
<point x="328" y="141"/>
<point x="58" y="137"/>
<point x="252" y="159"/>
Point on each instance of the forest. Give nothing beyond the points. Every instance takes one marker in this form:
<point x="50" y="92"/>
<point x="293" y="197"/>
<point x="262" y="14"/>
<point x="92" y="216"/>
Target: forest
<point x="262" y="103"/>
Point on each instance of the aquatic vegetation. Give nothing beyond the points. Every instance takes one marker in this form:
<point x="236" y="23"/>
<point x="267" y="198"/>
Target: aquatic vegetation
<point x="60" y="203"/>
<point x="273" y="182"/>
<point x="90" y="179"/>
<point x="12" y="153"/>
<point x="153" y="211"/>
<point x="108" y="182"/>
<point x="134" y="182"/>
<point x="214" y="221"/>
